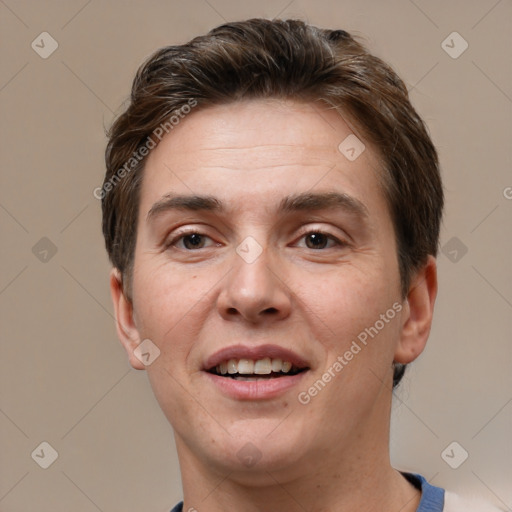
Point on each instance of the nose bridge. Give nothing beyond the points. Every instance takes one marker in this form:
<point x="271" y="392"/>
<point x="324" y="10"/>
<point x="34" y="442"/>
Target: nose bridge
<point x="252" y="289"/>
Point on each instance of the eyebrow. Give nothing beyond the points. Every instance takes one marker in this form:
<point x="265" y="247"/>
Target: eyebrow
<point x="307" y="201"/>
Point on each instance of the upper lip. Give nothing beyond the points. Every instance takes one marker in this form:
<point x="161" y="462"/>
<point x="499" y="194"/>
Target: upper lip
<point x="254" y="353"/>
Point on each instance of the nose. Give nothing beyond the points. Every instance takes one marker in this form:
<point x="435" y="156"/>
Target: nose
<point x="254" y="292"/>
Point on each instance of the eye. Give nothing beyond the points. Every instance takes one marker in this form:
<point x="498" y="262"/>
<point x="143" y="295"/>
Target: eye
<point x="318" y="240"/>
<point x="193" y="240"/>
<point x="189" y="241"/>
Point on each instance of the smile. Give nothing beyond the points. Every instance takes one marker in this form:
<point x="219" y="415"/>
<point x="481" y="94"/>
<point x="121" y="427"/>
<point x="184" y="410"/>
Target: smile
<point x="254" y="370"/>
<point x="249" y="373"/>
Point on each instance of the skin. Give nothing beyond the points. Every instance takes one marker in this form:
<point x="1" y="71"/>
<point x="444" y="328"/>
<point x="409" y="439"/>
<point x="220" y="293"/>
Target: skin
<point x="333" y="453"/>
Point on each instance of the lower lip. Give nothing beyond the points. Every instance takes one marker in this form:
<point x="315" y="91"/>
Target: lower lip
<point x="255" y="390"/>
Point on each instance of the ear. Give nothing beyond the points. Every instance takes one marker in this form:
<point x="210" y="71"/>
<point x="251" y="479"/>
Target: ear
<point x="417" y="313"/>
<point x="127" y="331"/>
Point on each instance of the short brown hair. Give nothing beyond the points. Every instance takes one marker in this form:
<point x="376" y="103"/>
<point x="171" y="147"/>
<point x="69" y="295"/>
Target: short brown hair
<point x="288" y="59"/>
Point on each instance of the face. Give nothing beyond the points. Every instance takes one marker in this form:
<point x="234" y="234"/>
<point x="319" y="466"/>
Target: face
<point x="285" y="265"/>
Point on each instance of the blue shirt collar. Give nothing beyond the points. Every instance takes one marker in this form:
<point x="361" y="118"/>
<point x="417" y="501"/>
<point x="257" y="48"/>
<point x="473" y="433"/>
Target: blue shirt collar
<point x="432" y="498"/>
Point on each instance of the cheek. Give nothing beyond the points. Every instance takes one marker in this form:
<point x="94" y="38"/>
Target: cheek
<point x="343" y="303"/>
<point x="166" y="302"/>
<point x="352" y="315"/>
<point x="170" y="306"/>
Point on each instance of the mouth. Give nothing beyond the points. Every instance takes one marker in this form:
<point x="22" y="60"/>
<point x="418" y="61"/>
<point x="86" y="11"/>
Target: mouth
<point x="253" y="370"/>
<point x="254" y="373"/>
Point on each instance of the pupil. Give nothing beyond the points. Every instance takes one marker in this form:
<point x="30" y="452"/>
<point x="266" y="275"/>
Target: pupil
<point x="193" y="239"/>
<point x="318" y="240"/>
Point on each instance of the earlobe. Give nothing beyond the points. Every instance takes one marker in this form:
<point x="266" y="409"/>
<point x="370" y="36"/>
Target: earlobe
<point x="418" y="312"/>
<point x="127" y="331"/>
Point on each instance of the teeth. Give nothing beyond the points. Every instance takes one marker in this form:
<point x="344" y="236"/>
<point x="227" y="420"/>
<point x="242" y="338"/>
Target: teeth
<point x="263" y="366"/>
<point x="245" y="366"/>
<point x="247" y="379"/>
<point x="232" y="366"/>
<point x="276" y="365"/>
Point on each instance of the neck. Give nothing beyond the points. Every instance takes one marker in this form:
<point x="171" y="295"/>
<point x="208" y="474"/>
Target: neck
<point x="352" y="473"/>
<point x="320" y="490"/>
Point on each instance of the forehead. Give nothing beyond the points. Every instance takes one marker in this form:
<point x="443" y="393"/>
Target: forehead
<point x="260" y="149"/>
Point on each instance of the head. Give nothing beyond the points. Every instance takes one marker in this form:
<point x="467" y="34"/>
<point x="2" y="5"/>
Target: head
<point x="254" y="115"/>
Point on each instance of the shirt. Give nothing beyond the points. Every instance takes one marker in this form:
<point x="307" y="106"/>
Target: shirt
<point x="432" y="498"/>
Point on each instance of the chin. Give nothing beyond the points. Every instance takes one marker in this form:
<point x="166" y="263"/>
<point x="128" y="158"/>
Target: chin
<point x="253" y="450"/>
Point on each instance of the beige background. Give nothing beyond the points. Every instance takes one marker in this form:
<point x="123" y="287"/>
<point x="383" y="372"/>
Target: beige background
<point x="64" y="377"/>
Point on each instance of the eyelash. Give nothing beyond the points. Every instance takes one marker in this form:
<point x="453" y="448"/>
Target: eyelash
<point x="182" y="235"/>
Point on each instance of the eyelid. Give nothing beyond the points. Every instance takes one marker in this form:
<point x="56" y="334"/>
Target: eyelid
<point x="176" y="237"/>
<point x="340" y="240"/>
<point x="306" y="230"/>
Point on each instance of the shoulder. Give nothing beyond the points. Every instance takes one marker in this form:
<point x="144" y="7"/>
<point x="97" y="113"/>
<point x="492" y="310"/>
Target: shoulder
<point x="456" y="503"/>
<point x="436" y="499"/>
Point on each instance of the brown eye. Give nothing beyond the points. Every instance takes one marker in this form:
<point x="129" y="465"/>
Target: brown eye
<point x="318" y="240"/>
<point x="190" y="241"/>
<point x="195" y="241"/>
